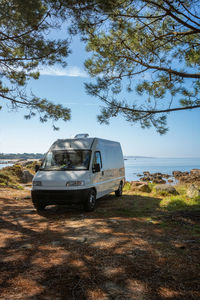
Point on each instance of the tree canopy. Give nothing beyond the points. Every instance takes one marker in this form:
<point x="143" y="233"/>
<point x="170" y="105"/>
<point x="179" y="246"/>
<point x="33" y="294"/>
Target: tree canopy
<point x="149" y="47"/>
<point x="24" y="45"/>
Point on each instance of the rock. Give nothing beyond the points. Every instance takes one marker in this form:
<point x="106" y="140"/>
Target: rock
<point x="145" y="179"/>
<point x="135" y="183"/>
<point x="26" y="176"/>
<point x="195" y="172"/>
<point x="193" y="191"/>
<point x="157" y="174"/>
<point x="166" y="188"/>
<point x="159" y="181"/>
<point x="140" y="186"/>
<point x="170" y="180"/>
<point x="177" y="174"/>
<point x="144" y="188"/>
<point x="166" y="176"/>
<point x="146" y="173"/>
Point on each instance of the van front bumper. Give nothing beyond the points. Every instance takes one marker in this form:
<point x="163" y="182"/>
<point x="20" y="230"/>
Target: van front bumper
<point x="51" y="197"/>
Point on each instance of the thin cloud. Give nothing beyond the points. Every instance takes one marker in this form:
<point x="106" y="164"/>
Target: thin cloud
<point x="68" y="71"/>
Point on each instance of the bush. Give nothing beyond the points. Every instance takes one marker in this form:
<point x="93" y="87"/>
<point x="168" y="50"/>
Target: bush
<point x="10" y="176"/>
<point x="127" y="186"/>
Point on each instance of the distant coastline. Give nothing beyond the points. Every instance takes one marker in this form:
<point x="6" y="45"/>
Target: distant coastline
<point x="137" y="156"/>
<point x="13" y="157"/>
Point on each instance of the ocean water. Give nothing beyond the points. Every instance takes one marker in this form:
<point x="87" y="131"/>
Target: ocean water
<point x="134" y="166"/>
<point x="4" y="165"/>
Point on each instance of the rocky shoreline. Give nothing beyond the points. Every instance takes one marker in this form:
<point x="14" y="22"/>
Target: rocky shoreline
<point x="177" y="176"/>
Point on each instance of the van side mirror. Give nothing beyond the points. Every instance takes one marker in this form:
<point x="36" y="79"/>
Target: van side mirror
<point x="37" y="167"/>
<point x="96" y="168"/>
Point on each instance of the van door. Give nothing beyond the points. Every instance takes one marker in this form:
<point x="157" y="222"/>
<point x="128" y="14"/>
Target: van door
<point x="98" y="175"/>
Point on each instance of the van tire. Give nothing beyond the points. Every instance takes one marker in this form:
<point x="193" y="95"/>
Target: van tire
<point x="39" y="205"/>
<point x="90" y="203"/>
<point x="118" y="193"/>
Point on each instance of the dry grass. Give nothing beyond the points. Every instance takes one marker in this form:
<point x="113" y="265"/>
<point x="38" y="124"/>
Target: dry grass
<point x="129" y="248"/>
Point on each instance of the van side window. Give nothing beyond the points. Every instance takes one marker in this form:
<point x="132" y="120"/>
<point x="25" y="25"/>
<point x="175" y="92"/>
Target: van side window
<point x="97" y="159"/>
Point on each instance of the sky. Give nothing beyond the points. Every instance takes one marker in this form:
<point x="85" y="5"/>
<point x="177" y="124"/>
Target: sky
<point x="66" y="86"/>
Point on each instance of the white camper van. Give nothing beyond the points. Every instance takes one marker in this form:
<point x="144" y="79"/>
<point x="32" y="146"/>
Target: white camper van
<point x="79" y="170"/>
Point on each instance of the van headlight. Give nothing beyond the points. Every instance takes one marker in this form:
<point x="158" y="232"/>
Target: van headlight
<point x="37" y="183"/>
<point x="75" y="183"/>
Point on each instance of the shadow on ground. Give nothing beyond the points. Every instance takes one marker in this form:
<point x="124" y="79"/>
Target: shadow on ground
<point x="126" y="249"/>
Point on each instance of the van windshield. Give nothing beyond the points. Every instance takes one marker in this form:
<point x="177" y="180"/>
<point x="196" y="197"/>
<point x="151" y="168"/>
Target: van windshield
<point x="67" y="160"/>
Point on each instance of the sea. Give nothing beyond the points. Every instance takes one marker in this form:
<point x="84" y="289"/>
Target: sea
<point x="135" y="166"/>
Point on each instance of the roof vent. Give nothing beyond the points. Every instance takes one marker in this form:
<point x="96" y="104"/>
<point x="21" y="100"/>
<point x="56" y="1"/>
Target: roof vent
<point x="81" y="136"/>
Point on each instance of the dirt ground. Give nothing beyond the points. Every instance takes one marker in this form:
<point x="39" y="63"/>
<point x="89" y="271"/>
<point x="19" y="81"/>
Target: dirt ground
<point x="127" y="249"/>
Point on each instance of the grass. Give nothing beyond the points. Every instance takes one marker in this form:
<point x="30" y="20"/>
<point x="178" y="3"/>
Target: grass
<point x="163" y="201"/>
<point x="180" y="202"/>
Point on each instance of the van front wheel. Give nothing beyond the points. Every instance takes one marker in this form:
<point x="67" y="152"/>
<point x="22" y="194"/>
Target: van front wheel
<point x="39" y="205"/>
<point x="118" y="192"/>
<point x="90" y="202"/>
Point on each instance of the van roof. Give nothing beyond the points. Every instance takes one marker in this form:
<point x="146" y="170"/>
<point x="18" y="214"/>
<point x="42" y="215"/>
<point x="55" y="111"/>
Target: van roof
<point x="81" y="143"/>
<point x="77" y="143"/>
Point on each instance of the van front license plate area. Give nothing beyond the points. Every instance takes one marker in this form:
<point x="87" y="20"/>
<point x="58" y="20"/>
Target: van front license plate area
<point x="60" y="197"/>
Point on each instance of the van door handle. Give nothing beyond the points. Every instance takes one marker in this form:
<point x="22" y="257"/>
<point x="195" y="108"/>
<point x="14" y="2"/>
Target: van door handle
<point x="102" y="173"/>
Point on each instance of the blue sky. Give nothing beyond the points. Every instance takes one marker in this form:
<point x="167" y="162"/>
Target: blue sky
<point x="66" y="86"/>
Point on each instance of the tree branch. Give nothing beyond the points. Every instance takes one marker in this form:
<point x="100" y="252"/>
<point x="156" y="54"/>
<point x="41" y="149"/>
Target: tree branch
<point x="169" y="71"/>
<point x="151" y="112"/>
<point x="173" y="16"/>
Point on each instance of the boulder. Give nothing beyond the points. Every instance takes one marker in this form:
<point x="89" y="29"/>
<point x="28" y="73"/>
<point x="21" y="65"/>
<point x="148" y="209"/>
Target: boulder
<point x="26" y="176"/>
<point x="166" y="188"/>
<point x="136" y="183"/>
<point x="177" y="174"/>
<point x="144" y="188"/>
<point x="146" y="173"/>
<point x="185" y="179"/>
<point x="145" y="179"/>
<point x="166" y="176"/>
<point x="170" y="180"/>
<point x="157" y="174"/>
<point x="140" y="186"/>
<point x="159" y="181"/>
<point x="195" y="172"/>
<point x="193" y="191"/>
